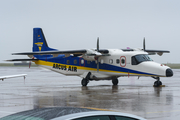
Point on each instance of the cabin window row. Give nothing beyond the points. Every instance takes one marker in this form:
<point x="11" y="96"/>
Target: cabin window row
<point x="76" y="62"/>
<point x="117" y="61"/>
<point x="88" y="62"/>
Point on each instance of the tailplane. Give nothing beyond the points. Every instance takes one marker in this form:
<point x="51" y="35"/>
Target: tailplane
<point x="39" y="41"/>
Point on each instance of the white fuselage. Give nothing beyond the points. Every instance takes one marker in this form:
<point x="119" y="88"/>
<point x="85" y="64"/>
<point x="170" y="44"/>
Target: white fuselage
<point x="118" y="63"/>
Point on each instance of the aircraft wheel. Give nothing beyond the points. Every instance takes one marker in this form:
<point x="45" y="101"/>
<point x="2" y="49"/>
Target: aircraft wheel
<point x="84" y="82"/>
<point x="160" y="83"/>
<point x="115" y="81"/>
<point x="157" y="83"/>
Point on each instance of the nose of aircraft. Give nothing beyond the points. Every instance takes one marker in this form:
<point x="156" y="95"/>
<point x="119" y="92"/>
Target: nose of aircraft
<point x="169" y="72"/>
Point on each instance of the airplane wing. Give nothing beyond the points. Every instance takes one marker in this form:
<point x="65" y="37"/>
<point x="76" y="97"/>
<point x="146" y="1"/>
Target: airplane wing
<point x="12" y="76"/>
<point x="88" y="52"/>
<point x="52" y="52"/>
<point x="159" y="52"/>
<point x="153" y="52"/>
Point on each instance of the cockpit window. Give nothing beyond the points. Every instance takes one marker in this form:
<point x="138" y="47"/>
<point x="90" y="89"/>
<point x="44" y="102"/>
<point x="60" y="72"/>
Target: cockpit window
<point x="140" y="58"/>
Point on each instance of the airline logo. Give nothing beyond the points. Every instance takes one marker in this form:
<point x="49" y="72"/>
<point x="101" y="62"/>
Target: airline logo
<point x="39" y="44"/>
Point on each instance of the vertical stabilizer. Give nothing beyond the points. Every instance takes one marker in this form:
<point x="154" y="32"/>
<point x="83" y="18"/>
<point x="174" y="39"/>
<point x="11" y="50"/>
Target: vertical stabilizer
<point x="39" y="41"/>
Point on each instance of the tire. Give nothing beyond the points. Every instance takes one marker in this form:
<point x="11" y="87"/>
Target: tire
<point x="84" y="82"/>
<point x="157" y="83"/>
<point x="115" y="81"/>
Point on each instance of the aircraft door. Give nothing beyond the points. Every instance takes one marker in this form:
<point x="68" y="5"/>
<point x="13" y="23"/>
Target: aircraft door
<point x="123" y="61"/>
<point x="81" y="62"/>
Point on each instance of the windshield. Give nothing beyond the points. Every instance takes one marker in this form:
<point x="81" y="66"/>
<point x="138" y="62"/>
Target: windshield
<point x="140" y="58"/>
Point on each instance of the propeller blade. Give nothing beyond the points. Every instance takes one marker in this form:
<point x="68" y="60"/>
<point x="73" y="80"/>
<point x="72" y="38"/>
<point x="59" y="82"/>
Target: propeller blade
<point x="97" y="65"/>
<point x="97" y="57"/>
<point x="144" y="45"/>
<point x="98" y="44"/>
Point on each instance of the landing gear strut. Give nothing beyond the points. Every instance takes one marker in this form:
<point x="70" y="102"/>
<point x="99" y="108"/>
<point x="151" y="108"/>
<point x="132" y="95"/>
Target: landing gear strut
<point x="157" y="83"/>
<point x="85" y="80"/>
<point x="115" y="81"/>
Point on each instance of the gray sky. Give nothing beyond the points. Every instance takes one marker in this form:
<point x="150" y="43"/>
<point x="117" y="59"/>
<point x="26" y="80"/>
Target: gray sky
<point x="76" y="24"/>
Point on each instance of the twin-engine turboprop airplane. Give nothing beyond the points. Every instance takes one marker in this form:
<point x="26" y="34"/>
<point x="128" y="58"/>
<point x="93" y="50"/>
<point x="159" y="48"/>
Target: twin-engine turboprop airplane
<point x="96" y="64"/>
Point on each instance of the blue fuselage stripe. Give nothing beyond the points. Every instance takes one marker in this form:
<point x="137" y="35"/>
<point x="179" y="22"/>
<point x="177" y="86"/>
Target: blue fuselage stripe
<point x="61" y="59"/>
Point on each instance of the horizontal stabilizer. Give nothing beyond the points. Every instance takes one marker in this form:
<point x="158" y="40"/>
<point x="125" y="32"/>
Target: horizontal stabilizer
<point x="22" y="60"/>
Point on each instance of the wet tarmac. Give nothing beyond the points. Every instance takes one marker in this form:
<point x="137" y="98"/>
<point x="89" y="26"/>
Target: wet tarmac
<point x="43" y="88"/>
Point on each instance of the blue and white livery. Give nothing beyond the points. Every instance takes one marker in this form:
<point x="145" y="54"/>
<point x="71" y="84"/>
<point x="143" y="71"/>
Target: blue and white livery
<point x="96" y="64"/>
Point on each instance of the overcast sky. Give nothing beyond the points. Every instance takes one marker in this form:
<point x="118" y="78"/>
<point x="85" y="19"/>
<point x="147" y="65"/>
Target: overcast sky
<point x="76" y="24"/>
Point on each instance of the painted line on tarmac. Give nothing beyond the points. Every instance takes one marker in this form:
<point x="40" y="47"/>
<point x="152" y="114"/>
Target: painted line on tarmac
<point x="163" y="111"/>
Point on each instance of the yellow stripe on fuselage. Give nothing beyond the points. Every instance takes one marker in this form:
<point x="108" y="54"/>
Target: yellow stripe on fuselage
<point x="47" y="63"/>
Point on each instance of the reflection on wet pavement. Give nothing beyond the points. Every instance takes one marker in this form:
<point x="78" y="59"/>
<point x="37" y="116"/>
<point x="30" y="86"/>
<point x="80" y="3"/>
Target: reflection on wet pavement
<point x="48" y="89"/>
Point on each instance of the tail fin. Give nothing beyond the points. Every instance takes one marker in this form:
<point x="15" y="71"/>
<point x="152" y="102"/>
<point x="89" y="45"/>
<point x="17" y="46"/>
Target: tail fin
<point x="39" y="41"/>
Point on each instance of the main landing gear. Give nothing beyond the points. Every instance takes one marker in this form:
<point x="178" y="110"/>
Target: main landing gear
<point x="157" y="83"/>
<point x="115" y="81"/>
<point x="85" y="80"/>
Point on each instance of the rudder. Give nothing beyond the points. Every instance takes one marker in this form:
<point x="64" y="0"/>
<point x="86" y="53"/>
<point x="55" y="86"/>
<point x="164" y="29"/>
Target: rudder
<point x="39" y="41"/>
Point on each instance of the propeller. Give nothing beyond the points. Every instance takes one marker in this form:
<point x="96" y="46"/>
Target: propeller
<point x="144" y="45"/>
<point x="97" y="57"/>
<point x="98" y="44"/>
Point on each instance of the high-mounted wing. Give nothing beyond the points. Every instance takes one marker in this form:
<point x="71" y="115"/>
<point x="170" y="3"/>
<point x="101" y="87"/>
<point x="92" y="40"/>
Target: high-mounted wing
<point x="159" y="52"/>
<point x="153" y="52"/>
<point x="12" y="76"/>
<point x="88" y="52"/>
<point x="52" y="52"/>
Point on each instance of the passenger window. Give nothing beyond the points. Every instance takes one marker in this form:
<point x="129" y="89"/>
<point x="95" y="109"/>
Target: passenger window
<point x="111" y="61"/>
<point x="68" y="61"/>
<point x="75" y="61"/>
<point x="94" y="118"/>
<point x="117" y="61"/>
<point x="82" y="61"/>
<point x="124" y="118"/>
<point x="122" y="61"/>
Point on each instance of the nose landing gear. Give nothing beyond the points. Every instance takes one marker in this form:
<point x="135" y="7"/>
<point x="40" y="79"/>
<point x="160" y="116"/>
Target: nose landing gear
<point x="157" y="83"/>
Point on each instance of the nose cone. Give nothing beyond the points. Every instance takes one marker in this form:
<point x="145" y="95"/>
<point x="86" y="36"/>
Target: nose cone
<point x="169" y="72"/>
